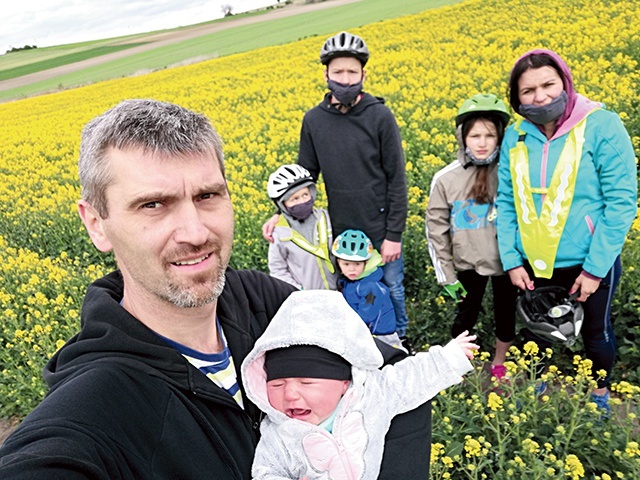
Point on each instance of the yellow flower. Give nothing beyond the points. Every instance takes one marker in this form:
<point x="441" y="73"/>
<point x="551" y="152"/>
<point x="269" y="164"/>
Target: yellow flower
<point x="530" y="446"/>
<point x="573" y="467"/>
<point x="632" y="449"/>
<point x="472" y="447"/>
<point x="531" y="348"/>
<point x="495" y="402"/>
<point x="436" y="450"/>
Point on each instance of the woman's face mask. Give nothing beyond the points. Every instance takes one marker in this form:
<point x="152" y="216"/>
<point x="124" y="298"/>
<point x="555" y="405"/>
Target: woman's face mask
<point x="543" y="114"/>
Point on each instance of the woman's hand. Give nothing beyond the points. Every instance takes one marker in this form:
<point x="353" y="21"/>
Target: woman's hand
<point x="586" y="285"/>
<point x="520" y="278"/>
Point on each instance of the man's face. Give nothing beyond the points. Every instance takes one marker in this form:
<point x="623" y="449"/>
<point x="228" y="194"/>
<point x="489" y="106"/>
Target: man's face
<point x="170" y="225"/>
<point x="346" y="70"/>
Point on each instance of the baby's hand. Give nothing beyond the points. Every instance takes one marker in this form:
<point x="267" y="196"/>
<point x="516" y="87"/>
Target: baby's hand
<point x="466" y="343"/>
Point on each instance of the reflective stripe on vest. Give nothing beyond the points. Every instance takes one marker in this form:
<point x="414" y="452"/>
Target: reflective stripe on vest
<point x="320" y="251"/>
<point x="541" y="235"/>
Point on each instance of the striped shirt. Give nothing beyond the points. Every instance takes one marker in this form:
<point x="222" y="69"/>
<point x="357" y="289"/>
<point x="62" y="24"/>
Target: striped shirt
<point x="218" y="367"/>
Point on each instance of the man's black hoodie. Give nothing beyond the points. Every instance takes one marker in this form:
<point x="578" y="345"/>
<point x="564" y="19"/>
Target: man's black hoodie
<point x="124" y="405"/>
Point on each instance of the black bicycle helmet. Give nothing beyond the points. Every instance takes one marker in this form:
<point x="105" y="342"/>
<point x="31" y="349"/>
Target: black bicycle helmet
<point x="552" y="314"/>
<point x="344" y="44"/>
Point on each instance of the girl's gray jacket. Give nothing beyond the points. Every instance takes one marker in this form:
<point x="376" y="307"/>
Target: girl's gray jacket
<point x="461" y="233"/>
<point x="292" y="449"/>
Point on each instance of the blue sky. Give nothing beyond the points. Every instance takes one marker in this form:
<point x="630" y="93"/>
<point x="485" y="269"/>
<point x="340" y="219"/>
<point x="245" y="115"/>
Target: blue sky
<point x="55" y="22"/>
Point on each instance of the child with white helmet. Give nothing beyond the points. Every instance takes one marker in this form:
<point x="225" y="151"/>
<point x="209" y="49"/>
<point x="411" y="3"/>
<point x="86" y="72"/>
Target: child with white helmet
<point x="361" y="284"/>
<point x="300" y="254"/>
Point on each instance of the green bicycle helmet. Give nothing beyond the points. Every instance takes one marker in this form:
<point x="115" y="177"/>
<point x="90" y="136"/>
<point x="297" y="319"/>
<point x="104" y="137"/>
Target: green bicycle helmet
<point x="344" y="44"/>
<point x="483" y="103"/>
<point x="352" y="245"/>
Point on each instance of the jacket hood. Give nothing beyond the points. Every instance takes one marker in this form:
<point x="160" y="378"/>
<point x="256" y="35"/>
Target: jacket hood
<point x="581" y="109"/>
<point x="567" y="81"/>
<point x="122" y="339"/>
<point x="461" y="156"/>
<point x="311" y="317"/>
<point x="110" y="334"/>
<point x="365" y="102"/>
<point x="371" y="267"/>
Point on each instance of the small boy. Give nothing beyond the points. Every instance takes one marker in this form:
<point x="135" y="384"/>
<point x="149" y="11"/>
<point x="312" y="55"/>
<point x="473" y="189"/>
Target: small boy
<point x="361" y="284"/>
<point x="315" y="373"/>
<point x="299" y="253"/>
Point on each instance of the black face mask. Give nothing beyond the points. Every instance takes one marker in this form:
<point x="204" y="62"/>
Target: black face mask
<point x="541" y="115"/>
<point x="345" y="94"/>
<point x="302" y="210"/>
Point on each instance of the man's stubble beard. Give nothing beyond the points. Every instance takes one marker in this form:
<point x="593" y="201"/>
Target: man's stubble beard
<point x="204" y="291"/>
<point x="190" y="298"/>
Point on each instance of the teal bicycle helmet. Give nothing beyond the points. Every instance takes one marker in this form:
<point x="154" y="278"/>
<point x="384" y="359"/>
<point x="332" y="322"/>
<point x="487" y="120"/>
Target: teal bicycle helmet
<point x="352" y="245"/>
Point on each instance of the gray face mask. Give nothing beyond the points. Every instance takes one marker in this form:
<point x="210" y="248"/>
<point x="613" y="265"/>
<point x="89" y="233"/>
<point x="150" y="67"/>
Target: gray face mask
<point x="302" y="210"/>
<point x="345" y="94"/>
<point x="486" y="161"/>
<point x="541" y="115"/>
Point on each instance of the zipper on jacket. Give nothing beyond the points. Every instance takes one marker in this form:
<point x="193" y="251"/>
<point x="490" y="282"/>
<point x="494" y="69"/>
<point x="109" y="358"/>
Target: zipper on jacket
<point x="543" y="166"/>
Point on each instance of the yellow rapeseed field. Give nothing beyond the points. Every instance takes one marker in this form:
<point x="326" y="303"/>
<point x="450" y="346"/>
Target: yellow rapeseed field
<point x="424" y="65"/>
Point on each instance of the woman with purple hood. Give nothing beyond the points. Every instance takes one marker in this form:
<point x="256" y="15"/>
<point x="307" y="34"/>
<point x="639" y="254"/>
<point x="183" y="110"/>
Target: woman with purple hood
<point x="567" y="194"/>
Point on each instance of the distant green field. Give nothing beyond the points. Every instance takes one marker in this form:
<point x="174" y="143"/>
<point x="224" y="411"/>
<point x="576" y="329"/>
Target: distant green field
<point x="235" y="40"/>
<point x="63" y="60"/>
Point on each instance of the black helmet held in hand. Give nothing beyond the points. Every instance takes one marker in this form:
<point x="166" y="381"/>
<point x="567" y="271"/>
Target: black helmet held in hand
<point x="552" y="314"/>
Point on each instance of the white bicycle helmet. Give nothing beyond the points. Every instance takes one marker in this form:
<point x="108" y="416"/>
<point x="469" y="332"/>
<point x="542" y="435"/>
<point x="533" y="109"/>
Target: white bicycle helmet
<point x="552" y="314"/>
<point x="285" y="178"/>
<point x="344" y="44"/>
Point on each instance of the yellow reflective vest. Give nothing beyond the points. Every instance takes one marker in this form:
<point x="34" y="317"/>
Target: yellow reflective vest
<point x="540" y="234"/>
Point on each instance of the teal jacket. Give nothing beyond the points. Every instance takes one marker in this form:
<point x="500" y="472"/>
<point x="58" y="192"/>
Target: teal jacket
<point x="605" y="200"/>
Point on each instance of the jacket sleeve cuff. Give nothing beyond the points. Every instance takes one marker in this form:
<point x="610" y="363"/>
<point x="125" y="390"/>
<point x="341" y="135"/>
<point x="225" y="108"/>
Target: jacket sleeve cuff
<point x="592" y="277"/>
<point x="456" y="358"/>
<point x="393" y="236"/>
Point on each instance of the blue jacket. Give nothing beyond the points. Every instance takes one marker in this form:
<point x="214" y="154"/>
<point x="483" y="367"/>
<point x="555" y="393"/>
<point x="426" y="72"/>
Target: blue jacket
<point x="371" y="299"/>
<point x="604" y="204"/>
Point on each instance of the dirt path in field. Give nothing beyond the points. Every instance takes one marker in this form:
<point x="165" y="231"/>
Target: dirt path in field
<point x="168" y="38"/>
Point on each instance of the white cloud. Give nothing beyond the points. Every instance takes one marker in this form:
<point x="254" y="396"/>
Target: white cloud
<point x="55" y="22"/>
